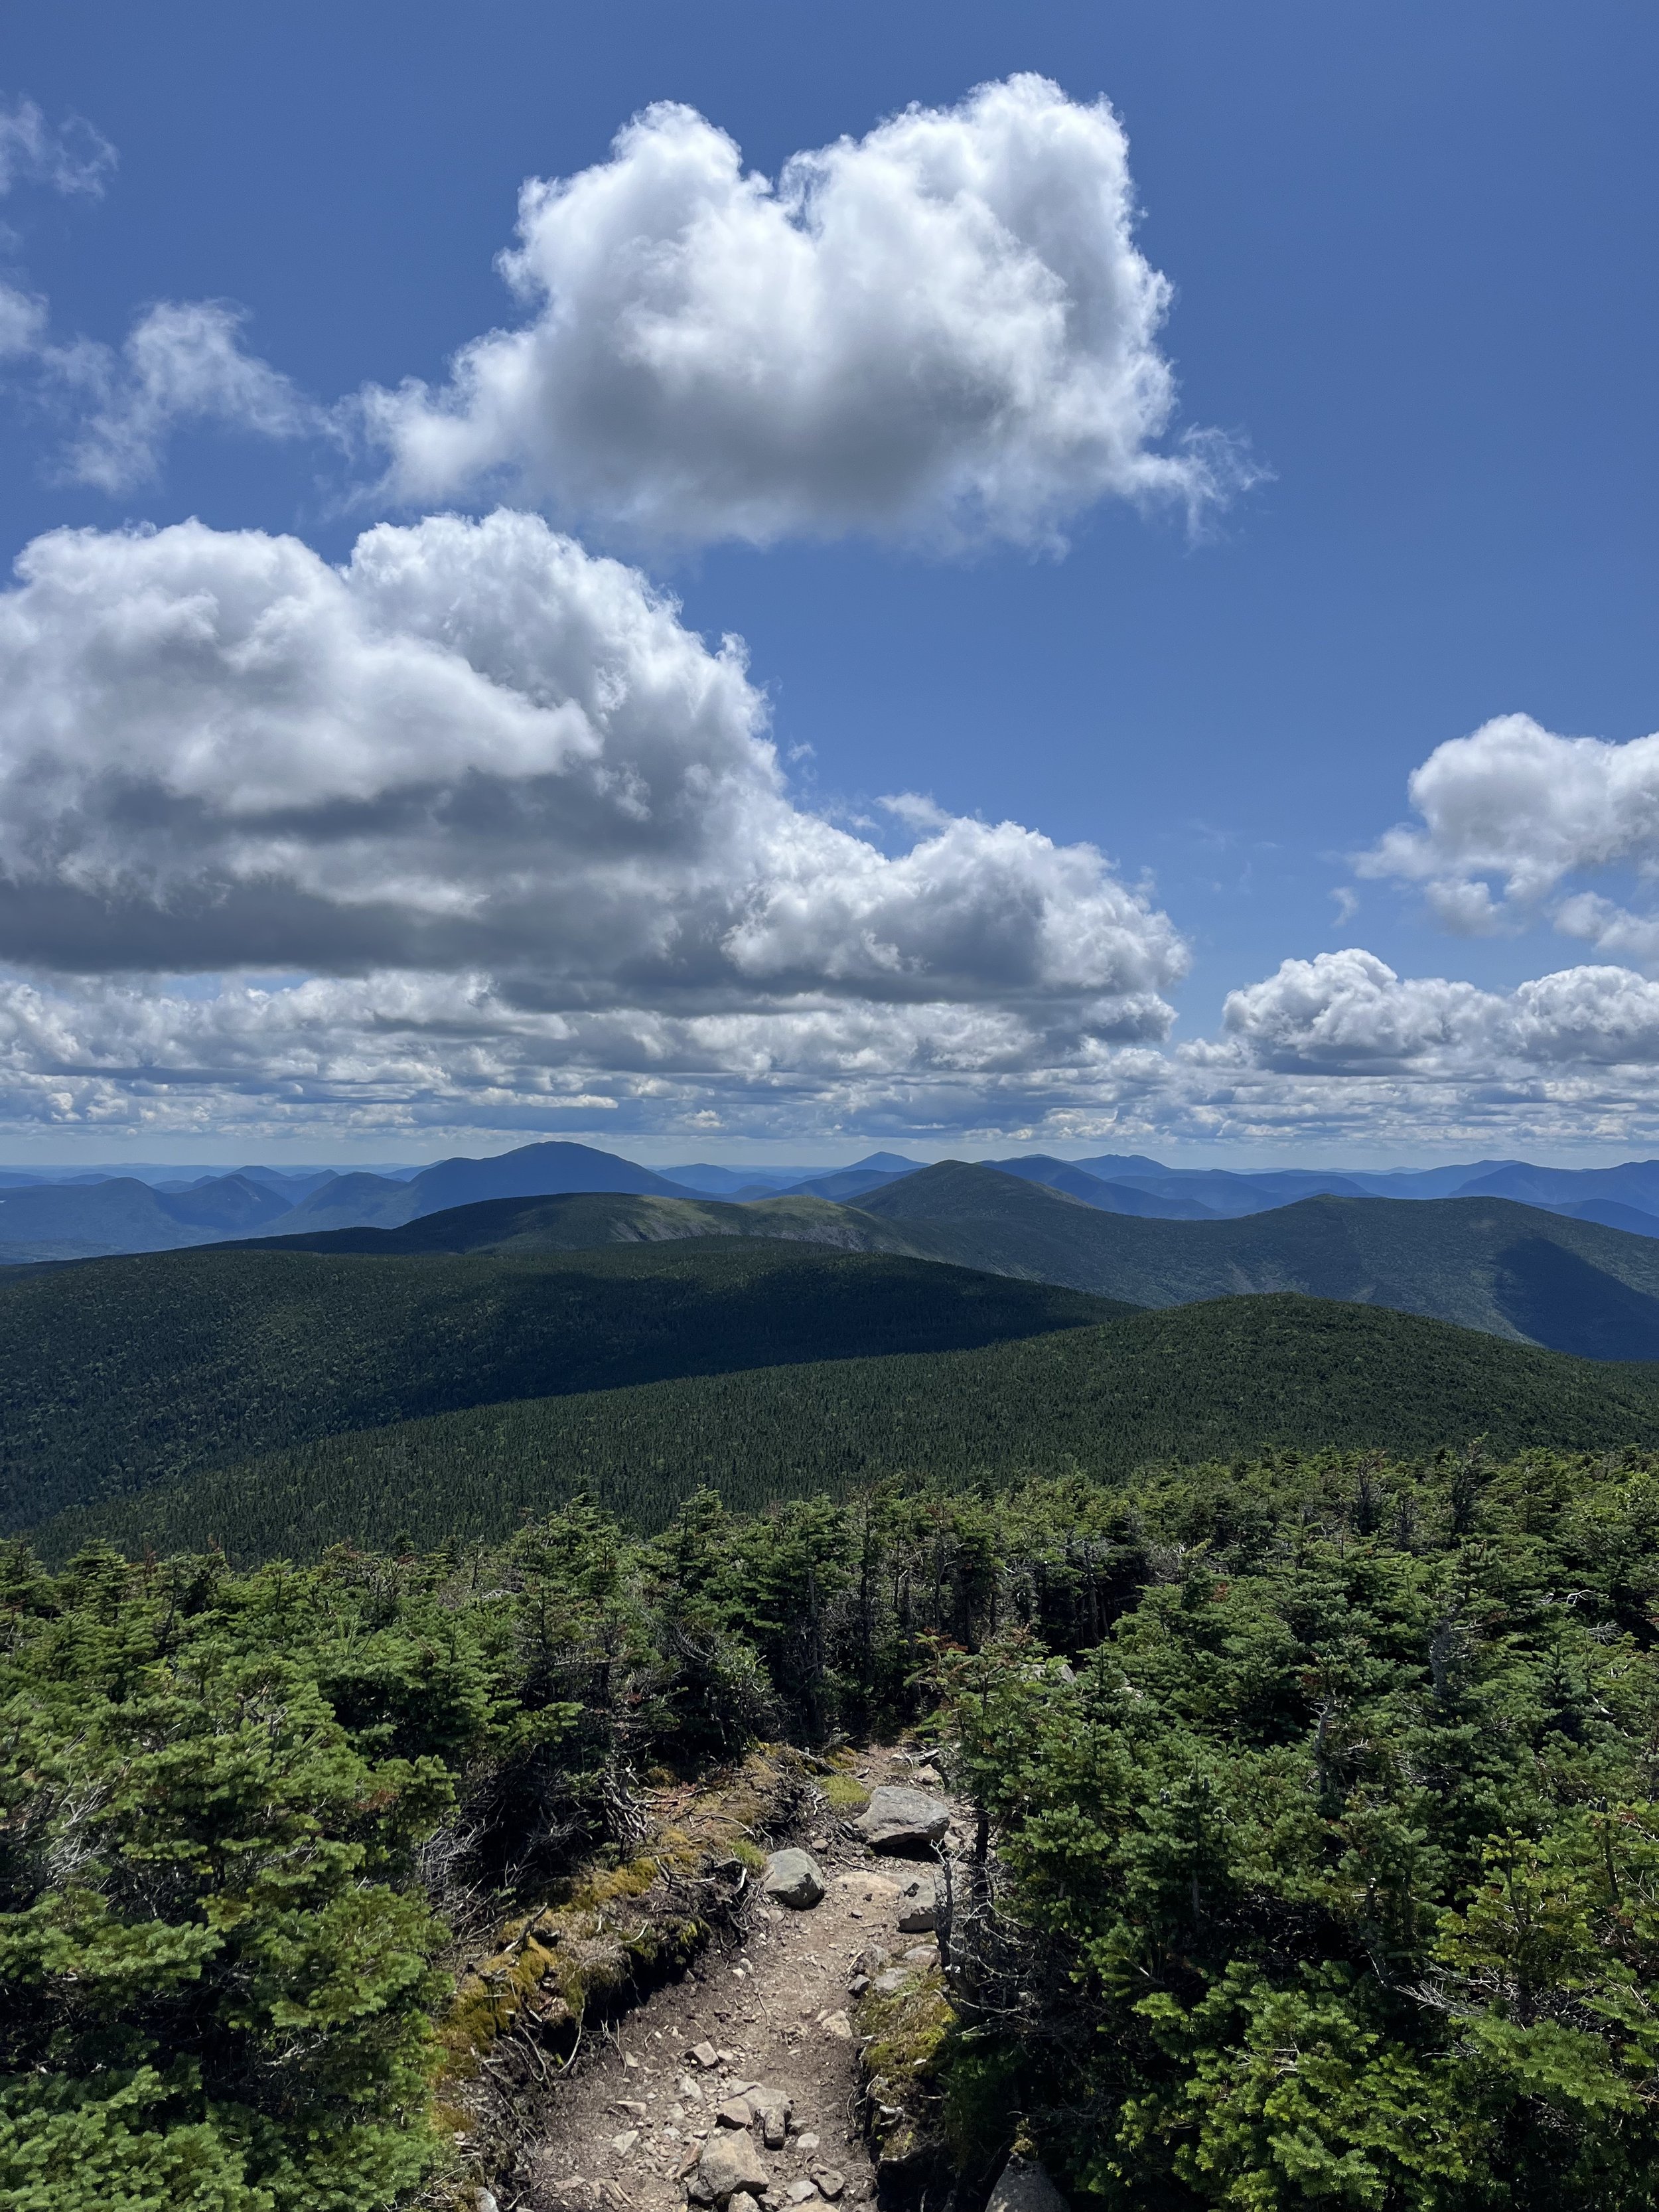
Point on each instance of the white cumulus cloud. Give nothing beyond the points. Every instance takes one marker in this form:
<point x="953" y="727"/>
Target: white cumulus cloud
<point x="475" y="746"/>
<point x="1348" y="1013"/>
<point x="1510" y="814"/>
<point x="942" y="328"/>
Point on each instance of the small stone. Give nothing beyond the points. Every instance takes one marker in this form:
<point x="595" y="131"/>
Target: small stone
<point x="629" y="2104"/>
<point x="704" y="2053"/>
<point x="928" y="1774"/>
<point x="858" y="1985"/>
<point x="806" y="2144"/>
<point x="742" y="2202"/>
<point x="776" y="2112"/>
<point x="890" y="1984"/>
<point x="799" y="2191"/>
<point x="687" y="2087"/>
<point x="734" y="2112"/>
<point x="623" y="2143"/>
<point x="486" y="2201"/>
<point x="831" y="2184"/>
<point x="729" y="2164"/>
<point x="631" y="2061"/>
<point x="918" y="1906"/>
<point x="727" y="2057"/>
<point x="792" y="1878"/>
<point x="919" y="1953"/>
<point x="838" y="2025"/>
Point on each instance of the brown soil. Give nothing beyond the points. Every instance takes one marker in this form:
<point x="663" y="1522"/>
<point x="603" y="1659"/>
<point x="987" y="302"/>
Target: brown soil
<point x="774" y="2003"/>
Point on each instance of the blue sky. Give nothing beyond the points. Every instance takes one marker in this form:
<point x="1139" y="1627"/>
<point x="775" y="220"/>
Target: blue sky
<point x="1411" y="257"/>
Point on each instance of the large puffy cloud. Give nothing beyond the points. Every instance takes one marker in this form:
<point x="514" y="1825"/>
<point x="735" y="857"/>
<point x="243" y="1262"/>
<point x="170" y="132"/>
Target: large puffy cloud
<point x="943" y="327"/>
<point x="1348" y="1013"/>
<point x="475" y="746"/>
<point x="1512" y="812"/>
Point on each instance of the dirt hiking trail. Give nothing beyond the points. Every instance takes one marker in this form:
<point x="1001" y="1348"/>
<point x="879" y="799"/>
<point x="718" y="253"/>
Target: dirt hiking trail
<point x="755" y="2043"/>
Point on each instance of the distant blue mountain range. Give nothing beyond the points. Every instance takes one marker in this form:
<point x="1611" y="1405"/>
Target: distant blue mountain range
<point x="75" y="1213"/>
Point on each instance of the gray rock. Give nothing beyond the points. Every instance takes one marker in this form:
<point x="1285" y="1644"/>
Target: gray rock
<point x="888" y="1983"/>
<point x="906" y="1823"/>
<point x="1024" y="2186"/>
<point x="625" y="2142"/>
<point x="792" y="1878"/>
<point x="918" y="1906"/>
<point x="734" y="2113"/>
<point x="729" y="2164"/>
<point x="705" y="2054"/>
<point x="776" y="2113"/>
<point x="831" y="2184"/>
<point x="742" y="2202"/>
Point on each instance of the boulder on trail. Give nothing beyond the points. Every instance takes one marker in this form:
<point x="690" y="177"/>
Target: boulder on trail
<point x="907" y="1823"/>
<point x="792" y="1878"/>
<point x="918" y="1906"/>
<point x="731" y="2164"/>
<point x="1024" y="2186"/>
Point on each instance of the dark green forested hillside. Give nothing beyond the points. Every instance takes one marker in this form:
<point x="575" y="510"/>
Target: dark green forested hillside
<point x="1486" y="1263"/>
<point x="117" y="1373"/>
<point x="588" y="1218"/>
<point x="1190" y="1384"/>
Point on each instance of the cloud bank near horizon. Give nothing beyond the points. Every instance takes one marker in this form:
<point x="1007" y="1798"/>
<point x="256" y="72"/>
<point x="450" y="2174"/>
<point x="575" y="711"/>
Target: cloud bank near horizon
<point x="1335" y="1051"/>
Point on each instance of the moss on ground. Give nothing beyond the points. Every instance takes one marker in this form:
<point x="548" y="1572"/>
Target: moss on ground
<point x="904" y="2034"/>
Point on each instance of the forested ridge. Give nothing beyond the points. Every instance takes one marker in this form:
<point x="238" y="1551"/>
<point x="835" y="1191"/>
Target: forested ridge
<point x="118" y="1373"/>
<point x="1318" y="1791"/>
<point x="1189" y="1383"/>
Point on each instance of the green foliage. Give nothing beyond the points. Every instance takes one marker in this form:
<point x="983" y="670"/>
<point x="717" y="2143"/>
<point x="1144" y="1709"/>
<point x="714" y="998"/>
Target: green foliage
<point x="119" y="1373"/>
<point x="1320" y="1789"/>
<point x="234" y="1809"/>
<point x="1189" y="1384"/>
<point x="1333" y="1872"/>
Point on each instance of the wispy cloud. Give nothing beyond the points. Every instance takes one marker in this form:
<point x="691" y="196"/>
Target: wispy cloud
<point x="70" y="156"/>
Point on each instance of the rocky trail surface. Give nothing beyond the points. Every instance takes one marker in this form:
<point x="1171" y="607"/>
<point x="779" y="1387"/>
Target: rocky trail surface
<point x="737" y="2086"/>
